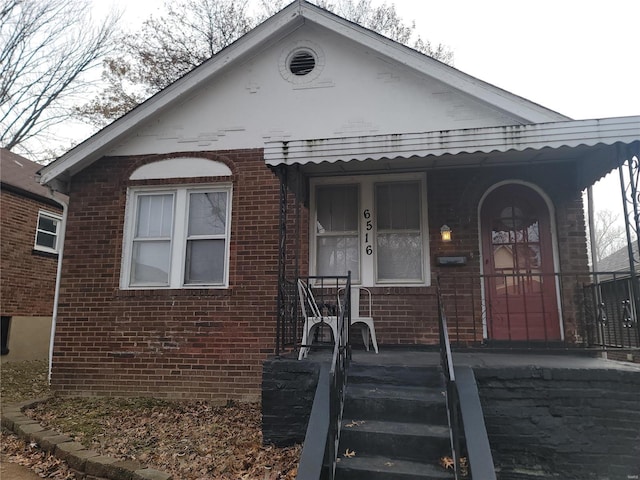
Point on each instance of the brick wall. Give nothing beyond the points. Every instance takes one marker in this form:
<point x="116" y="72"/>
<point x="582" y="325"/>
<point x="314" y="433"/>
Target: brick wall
<point x="190" y="343"/>
<point x="28" y="277"/>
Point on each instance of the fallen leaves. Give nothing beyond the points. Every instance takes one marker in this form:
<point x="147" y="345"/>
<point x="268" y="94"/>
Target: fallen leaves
<point x="25" y="454"/>
<point x="349" y="453"/>
<point x="23" y="381"/>
<point x="354" y="423"/>
<point x="190" y="440"/>
<point x="448" y="463"/>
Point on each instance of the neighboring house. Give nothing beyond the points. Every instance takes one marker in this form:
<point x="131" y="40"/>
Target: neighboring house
<point x="314" y="146"/>
<point x="31" y="227"/>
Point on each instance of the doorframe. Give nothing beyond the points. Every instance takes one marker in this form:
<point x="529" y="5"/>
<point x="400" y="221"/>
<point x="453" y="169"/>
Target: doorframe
<point x="554" y="247"/>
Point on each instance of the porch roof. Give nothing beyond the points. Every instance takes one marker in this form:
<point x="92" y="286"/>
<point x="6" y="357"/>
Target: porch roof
<point x="602" y="144"/>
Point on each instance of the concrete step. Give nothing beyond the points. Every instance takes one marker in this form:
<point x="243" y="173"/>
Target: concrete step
<point x="361" y="467"/>
<point x="398" y="440"/>
<point x="396" y="403"/>
<point x="395" y="375"/>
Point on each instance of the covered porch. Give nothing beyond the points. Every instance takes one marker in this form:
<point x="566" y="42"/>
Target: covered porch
<point x="514" y="272"/>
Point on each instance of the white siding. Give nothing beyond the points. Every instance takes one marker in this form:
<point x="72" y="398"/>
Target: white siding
<point x="357" y="93"/>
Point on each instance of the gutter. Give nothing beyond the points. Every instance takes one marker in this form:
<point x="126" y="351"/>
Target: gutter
<point x="56" y="295"/>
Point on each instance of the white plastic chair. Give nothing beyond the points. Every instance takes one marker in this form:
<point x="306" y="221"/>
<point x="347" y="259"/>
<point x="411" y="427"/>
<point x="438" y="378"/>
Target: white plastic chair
<point x="367" y="328"/>
<point x="313" y="317"/>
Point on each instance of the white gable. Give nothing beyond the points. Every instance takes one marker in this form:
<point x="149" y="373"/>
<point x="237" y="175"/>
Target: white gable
<point x="363" y="84"/>
<point x="353" y="90"/>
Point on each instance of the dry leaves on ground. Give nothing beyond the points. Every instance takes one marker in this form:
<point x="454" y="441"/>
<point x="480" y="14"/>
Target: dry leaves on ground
<point x="21" y="381"/>
<point x="25" y="454"/>
<point x="189" y="440"/>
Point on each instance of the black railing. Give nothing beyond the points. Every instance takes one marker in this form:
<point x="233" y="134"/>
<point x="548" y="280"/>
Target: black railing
<point x="464" y="411"/>
<point x="320" y="451"/>
<point x="453" y="406"/>
<point x="287" y="324"/>
<point x="611" y="302"/>
<point x="539" y="310"/>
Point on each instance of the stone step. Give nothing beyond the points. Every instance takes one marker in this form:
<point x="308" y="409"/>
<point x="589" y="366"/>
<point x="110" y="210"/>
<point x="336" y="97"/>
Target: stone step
<point x="395" y="375"/>
<point x="362" y="467"/>
<point x="396" y="403"/>
<point x="397" y="440"/>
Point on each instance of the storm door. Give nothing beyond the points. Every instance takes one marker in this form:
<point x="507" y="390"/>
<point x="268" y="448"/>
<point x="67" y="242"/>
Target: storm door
<point x="519" y="283"/>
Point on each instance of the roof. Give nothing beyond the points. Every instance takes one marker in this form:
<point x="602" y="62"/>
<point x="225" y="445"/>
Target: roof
<point x="291" y="18"/>
<point x="618" y="261"/>
<point x="573" y="133"/>
<point x="20" y="173"/>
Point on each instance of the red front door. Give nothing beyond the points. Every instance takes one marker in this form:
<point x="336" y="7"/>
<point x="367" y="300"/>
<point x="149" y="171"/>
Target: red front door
<point x="520" y="288"/>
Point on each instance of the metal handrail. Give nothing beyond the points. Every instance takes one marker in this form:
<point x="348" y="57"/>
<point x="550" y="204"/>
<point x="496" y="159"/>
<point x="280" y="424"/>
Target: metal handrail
<point x="320" y="451"/>
<point x="446" y="360"/>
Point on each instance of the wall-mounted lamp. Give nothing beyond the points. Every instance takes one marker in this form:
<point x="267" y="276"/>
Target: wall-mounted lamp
<point x="445" y="233"/>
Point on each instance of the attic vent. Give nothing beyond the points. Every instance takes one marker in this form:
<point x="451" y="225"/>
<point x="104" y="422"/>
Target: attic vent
<point x="302" y="63"/>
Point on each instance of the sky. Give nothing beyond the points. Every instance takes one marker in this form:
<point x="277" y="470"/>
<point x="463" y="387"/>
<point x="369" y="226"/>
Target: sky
<point x="580" y="58"/>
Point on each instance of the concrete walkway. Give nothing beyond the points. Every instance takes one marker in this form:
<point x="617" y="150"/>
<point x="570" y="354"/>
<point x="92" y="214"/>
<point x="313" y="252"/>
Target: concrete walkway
<point x="13" y="471"/>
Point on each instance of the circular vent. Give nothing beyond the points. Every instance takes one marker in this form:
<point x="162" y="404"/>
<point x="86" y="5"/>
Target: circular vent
<point x="302" y="63"/>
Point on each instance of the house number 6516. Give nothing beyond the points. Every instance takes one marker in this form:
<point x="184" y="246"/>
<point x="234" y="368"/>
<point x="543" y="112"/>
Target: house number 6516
<point x="369" y="226"/>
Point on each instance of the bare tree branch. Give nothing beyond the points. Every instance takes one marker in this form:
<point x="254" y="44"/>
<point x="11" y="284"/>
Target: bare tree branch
<point x="610" y="234"/>
<point x="192" y="31"/>
<point x="46" y="49"/>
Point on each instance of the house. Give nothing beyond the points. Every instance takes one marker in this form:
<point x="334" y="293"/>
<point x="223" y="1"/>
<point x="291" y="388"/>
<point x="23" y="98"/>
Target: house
<point x="313" y="146"/>
<point x="31" y="242"/>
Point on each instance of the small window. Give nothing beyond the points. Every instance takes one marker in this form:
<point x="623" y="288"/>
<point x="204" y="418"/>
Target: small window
<point x="47" y="232"/>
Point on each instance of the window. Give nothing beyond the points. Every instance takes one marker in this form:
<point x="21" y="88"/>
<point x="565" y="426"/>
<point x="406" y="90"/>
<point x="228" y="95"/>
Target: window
<point x="47" y="232"/>
<point x="177" y="237"/>
<point x="374" y="226"/>
<point x="398" y="232"/>
<point x="337" y="236"/>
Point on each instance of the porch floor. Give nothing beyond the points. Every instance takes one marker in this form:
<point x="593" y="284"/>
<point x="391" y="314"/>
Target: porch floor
<point x="411" y="358"/>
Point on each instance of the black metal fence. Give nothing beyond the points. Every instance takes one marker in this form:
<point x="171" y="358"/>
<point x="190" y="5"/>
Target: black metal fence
<point x="612" y="301"/>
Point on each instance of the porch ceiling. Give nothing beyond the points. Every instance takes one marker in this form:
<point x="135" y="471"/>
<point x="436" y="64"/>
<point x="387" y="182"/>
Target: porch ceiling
<point x="599" y="145"/>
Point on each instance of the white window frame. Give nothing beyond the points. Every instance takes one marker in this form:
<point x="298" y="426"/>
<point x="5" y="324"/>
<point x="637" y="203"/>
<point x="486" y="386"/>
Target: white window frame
<point x="368" y="263"/>
<point x="179" y="235"/>
<point x="57" y="219"/>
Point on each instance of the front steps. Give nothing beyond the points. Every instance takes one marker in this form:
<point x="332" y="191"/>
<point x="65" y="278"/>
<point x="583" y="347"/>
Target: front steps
<point x="394" y="424"/>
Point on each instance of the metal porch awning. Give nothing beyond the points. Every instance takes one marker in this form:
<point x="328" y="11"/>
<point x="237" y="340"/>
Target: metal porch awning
<point x="599" y="145"/>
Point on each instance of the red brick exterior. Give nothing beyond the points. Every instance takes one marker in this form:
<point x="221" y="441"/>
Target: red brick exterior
<point x="28" y="277"/>
<point x="211" y="343"/>
<point x="195" y="343"/>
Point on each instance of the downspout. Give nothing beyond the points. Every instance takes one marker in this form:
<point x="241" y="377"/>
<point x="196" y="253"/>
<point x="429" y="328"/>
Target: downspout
<point x="56" y="295"/>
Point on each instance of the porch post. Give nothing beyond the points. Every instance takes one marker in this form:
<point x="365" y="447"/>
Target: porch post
<point x="630" y="195"/>
<point x="282" y="260"/>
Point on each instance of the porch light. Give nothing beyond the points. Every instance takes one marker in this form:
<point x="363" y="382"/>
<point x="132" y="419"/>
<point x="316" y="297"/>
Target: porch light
<point x="445" y="233"/>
